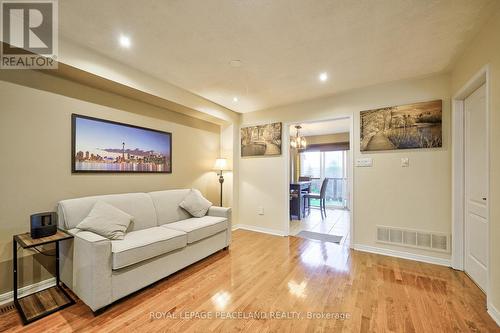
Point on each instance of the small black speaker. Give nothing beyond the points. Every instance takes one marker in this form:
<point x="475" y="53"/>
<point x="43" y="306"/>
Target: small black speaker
<point x="43" y="224"/>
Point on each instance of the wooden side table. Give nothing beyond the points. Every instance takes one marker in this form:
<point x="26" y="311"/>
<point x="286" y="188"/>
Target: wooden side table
<point x="42" y="303"/>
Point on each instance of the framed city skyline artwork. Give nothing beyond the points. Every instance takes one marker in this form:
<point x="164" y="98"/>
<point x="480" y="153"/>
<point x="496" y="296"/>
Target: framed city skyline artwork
<point x="103" y="146"/>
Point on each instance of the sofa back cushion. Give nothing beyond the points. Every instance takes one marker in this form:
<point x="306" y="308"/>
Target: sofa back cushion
<point x="167" y="205"/>
<point x="139" y="205"/>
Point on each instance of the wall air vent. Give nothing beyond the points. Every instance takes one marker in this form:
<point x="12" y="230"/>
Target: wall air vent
<point x="396" y="236"/>
<point x="427" y="240"/>
<point x="383" y="234"/>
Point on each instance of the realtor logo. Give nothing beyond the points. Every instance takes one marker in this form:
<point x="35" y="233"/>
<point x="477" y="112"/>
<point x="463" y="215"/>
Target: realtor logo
<point x="29" y="34"/>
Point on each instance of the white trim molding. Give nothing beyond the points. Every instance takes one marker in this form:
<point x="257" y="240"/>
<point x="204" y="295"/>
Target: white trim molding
<point x="286" y="152"/>
<point x="457" y="186"/>
<point x="494" y="313"/>
<point x="27" y="290"/>
<point x="258" y="229"/>
<point x="351" y="178"/>
<point x="403" y="255"/>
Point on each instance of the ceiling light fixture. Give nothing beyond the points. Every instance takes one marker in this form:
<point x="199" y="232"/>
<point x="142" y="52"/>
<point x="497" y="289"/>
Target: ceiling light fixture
<point x="298" y="142"/>
<point x="323" y="76"/>
<point x="125" y="41"/>
<point x="235" y="99"/>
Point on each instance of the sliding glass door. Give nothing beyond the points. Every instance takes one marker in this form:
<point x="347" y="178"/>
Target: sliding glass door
<point x="327" y="164"/>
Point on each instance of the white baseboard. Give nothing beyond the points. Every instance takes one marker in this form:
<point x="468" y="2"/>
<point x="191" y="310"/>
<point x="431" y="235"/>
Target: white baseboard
<point x="494" y="313"/>
<point x="27" y="290"/>
<point x="258" y="229"/>
<point x="403" y="255"/>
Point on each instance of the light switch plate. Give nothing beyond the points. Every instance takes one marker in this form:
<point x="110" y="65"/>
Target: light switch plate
<point x="260" y="210"/>
<point x="405" y="162"/>
<point x="365" y="162"/>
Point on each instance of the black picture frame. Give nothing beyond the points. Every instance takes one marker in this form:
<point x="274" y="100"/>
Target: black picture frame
<point x="75" y="116"/>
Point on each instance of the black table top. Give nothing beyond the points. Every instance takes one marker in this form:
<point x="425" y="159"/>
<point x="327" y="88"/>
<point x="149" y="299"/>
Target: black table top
<point x="301" y="183"/>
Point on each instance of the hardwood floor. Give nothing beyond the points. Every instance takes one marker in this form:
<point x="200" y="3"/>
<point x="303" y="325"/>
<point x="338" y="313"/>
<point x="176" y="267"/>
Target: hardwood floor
<point x="337" y="222"/>
<point x="266" y="273"/>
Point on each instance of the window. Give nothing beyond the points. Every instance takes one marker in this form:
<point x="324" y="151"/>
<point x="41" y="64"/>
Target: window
<point x="334" y="164"/>
<point x="331" y="165"/>
<point x="310" y="164"/>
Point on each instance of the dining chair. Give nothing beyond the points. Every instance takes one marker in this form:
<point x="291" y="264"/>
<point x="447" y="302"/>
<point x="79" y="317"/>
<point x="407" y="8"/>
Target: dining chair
<point x="321" y="196"/>
<point x="305" y="202"/>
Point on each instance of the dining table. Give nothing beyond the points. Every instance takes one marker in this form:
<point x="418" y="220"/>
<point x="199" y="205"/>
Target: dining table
<point x="298" y="203"/>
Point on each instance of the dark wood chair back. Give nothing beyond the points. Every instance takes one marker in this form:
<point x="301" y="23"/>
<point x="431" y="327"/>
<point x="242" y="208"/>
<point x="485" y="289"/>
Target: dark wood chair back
<point x="324" y="185"/>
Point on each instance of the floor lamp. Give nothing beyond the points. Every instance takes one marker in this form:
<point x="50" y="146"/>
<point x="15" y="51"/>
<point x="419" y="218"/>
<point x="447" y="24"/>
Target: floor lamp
<point x="221" y="165"/>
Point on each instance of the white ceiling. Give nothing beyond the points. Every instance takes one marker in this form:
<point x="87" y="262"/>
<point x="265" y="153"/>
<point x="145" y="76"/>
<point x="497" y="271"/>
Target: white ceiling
<point x="322" y="127"/>
<point x="283" y="44"/>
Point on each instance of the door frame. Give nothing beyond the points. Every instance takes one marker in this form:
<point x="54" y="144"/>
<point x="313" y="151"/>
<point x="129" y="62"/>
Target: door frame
<point x="458" y="171"/>
<point x="350" y="169"/>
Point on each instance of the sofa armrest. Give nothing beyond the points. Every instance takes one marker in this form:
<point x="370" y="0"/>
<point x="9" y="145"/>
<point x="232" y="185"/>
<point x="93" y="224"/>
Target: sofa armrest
<point x="92" y="269"/>
<point x="223" y="212"/>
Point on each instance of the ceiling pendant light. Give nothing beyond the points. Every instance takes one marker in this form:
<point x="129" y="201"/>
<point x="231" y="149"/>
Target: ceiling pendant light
<point x="298" y="142"/>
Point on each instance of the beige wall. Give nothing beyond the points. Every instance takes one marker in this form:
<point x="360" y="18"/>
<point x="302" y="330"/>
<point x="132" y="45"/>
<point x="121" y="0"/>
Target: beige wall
<point x="327" y="138"/>
<point x="483" y="50"/>
<point x="417" y="197"/>
<point x="35" y="145"/>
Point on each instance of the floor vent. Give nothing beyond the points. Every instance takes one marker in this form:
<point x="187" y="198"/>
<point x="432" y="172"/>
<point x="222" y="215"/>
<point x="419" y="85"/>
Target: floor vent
<point x="7" y="308"/>
<point x="414" y="238"/>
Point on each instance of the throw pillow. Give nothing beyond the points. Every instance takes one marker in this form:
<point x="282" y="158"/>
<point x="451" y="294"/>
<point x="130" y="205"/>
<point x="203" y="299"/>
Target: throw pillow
<point x="107" y="221"/>
<point x="195" y="204"/>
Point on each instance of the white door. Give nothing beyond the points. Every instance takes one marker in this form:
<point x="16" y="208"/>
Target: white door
<point x="476" y="188"/>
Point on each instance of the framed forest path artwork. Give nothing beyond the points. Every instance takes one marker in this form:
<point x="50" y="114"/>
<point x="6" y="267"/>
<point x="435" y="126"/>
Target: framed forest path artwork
<point x="410" y="126"/>
<point x="262" y="140"/>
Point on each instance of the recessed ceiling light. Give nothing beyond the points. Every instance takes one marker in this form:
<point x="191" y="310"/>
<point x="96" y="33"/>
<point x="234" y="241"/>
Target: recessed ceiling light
<point x="323" y="76"/>
<point x="125" y="41"/>
<point x="235" y="99"/>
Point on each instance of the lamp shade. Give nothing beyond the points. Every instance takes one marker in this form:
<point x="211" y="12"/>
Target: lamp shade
<point x="221" y="164"/>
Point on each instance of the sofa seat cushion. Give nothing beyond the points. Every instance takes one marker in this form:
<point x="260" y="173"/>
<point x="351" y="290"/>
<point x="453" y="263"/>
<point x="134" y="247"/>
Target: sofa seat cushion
<point x="145" y="244"/>
<point x="198" y="228"/>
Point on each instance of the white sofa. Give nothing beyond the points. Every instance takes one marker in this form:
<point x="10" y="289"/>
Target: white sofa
<point x="162" y="240"/>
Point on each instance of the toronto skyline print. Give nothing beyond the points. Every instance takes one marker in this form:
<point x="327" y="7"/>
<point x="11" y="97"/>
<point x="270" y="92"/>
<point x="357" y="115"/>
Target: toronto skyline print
<point x="104" y="146"/>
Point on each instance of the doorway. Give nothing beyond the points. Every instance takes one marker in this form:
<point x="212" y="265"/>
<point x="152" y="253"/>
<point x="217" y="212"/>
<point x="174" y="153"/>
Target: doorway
<point x="470" y="135"/>
<point x="320" y="180"/>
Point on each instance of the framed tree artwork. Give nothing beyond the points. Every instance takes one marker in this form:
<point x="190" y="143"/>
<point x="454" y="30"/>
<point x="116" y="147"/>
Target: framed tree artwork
<point x="262" y="140"/>
<point x="409" y="126"/>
